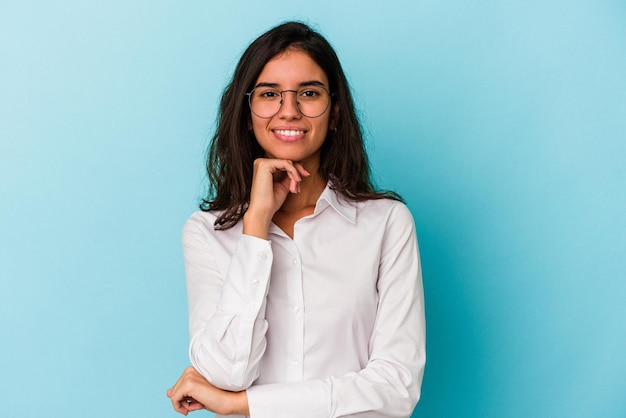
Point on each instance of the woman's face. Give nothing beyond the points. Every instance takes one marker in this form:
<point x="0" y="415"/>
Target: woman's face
<point x="289" y="135"/>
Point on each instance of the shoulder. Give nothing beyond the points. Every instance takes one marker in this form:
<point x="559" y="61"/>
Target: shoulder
<point x="384" y="210"/>
<point x="199" y="221"/>
<point x="393" y="222"/>
<point x="202" y="224"/>
<point x="199" y="233"/>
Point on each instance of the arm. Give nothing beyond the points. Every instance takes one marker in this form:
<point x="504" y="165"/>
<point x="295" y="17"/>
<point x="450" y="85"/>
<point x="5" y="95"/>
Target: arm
<point x="389" y="385"/>
<point x="226" y="309"/>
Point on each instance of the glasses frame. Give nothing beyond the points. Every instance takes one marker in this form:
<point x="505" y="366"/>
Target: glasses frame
<point x="249" y="94"/>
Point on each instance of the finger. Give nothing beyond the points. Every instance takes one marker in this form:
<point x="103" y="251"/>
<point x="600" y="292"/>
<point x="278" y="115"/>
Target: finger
<point x="301" y="169"/>
<point x="285" y="184"/>
<point x="185" y="406"/>
<point x="195" y="406"/>
<point x="178" y="407"/>
<point x="179" y="393"/>
<point x="179" y="401"/>
<point x="286" y="166"/>
<point x="190" y="404"/>
<point x="293" y="173"/>
<point x="280" y="170"/>
<point x="291" y="181"/>
<point x="294" y="187"/>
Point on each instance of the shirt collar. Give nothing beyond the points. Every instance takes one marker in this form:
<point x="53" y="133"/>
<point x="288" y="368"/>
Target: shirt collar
<point x="340" y="204"/>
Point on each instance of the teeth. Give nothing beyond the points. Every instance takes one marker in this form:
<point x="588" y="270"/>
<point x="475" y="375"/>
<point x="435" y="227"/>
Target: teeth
<point x="288" y="132"/>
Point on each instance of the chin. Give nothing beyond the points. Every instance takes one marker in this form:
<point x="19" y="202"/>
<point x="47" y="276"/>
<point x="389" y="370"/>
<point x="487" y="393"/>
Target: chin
<point x="290" y="156"/>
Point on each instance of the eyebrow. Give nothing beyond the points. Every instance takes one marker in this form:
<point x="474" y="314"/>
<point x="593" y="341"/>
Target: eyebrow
<point x="303" y="84"/>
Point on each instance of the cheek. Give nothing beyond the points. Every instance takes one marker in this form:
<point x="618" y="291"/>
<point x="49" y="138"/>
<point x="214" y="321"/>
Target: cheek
<point x="257" y="127"/>
<point x="259" y="136"/>
<point x="323" y="126"/>
<point x="254" y="123"/>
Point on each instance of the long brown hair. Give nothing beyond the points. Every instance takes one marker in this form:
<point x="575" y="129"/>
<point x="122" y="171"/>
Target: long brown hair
<point x="234" y="148"/>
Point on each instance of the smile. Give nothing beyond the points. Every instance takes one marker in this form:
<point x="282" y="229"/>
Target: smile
<point x="289" y="132"/>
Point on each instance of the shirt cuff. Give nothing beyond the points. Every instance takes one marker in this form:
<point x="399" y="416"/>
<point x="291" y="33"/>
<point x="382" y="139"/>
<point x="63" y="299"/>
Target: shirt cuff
<point x="305" y="399"/>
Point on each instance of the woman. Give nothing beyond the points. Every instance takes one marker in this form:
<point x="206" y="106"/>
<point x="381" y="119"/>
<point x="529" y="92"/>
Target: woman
<point x="304" y="283"/>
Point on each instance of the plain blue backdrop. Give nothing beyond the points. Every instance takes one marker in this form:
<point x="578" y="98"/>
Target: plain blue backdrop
<point x="503" y="124"/>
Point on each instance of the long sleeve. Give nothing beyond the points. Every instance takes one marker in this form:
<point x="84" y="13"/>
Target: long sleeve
<point x="389" y="384"/>
<point x="227" y="282"/>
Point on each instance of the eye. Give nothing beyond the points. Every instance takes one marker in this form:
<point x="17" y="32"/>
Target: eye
<point x="310" y="94"/>
<point x="267" y="94"/>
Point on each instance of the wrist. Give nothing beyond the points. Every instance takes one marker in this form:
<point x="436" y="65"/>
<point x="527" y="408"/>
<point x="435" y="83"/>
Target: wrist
<point x="257" y="225"/>
<point x="239" y="403"/>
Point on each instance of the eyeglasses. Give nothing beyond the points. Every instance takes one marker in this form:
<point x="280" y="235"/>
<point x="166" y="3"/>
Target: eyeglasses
<point x="312" y="101"/>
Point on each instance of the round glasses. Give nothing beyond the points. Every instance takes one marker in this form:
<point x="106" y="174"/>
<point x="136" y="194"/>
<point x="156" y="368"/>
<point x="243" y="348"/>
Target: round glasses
<point x="312" y="101"/>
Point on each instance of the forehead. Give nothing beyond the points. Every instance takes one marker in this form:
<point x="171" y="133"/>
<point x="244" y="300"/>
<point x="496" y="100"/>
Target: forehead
<point x="292" y="68"/>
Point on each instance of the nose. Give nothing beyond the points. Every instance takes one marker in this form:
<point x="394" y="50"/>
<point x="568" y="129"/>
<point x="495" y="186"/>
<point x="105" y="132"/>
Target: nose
<point x="289" y="105"/>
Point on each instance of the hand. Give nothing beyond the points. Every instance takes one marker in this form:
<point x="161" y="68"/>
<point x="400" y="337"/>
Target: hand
<point x="272" y="182"/>
<point x="193" y="392"/>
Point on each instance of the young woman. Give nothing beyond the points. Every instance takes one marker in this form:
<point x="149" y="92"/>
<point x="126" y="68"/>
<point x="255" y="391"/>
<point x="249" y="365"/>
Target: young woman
<point x="304" y="282"/>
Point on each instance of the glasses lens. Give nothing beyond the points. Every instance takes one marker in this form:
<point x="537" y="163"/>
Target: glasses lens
<point x="312" y="101"/>
<point x="265" y="101"/>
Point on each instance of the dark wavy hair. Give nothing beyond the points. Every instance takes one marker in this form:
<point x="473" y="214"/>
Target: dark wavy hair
<point x="233" y="149"/>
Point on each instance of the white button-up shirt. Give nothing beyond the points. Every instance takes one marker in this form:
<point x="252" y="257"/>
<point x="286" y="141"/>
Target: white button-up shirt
<point x="327" y="324"/>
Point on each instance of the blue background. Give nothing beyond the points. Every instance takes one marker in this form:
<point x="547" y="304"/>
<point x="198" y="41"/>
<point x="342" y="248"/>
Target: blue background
<point x="502" y="123"/>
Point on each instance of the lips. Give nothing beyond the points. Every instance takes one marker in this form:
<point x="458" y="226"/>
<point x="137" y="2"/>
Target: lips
<point x="289" y="134"/>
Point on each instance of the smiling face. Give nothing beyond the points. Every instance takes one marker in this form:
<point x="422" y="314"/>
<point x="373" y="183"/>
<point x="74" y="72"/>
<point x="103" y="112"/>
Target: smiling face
<point x="289" y="135"/>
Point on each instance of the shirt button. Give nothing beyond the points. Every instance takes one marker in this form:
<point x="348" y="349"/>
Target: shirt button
<point x="295" y="362"/>
<point x="254" y="282"/>
<point x="296" y="309"/>
<point x="250" y="306"/>
<point x="295" y="261"/>
<point x="262" y="256"/>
